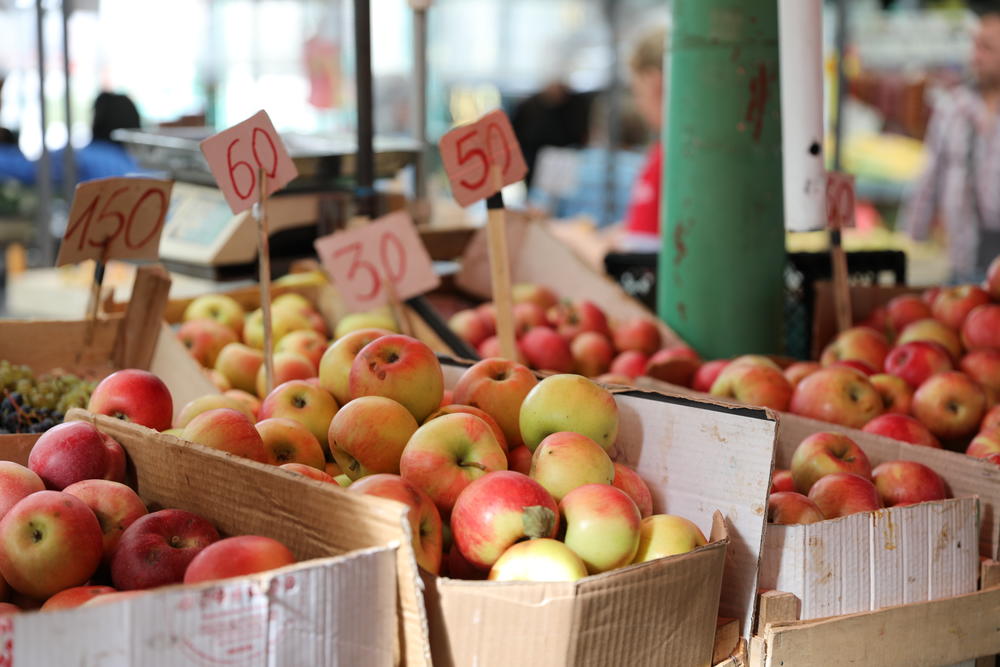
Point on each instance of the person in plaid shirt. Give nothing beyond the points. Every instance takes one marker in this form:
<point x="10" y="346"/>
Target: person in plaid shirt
<point x="961" y="183"/>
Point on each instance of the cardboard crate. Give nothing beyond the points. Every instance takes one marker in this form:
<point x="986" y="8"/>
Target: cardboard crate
<point x="336" y="607"/>
<point x="134" y="338"/>
<point x="698" y="458"/>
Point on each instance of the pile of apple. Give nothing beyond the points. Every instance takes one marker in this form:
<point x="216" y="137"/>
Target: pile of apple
<point x="831" y="477"/>
<point x="569" y="337"/>
<point x="924" y="369"/>
<point x="72" y="533"/>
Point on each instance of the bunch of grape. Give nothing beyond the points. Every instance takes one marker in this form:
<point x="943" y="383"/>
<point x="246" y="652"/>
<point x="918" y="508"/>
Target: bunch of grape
<point x="31" y="402"/>
<point x="16" y="416"/>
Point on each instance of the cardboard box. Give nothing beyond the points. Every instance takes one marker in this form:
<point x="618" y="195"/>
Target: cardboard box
<point x="336" y="607"/>
<point x="698" y="457"/>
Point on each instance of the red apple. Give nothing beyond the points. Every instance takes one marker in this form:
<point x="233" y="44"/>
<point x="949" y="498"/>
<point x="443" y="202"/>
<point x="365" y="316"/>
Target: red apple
<point x="470" y="327"/>
<point x="862" y="367"/>
<point x="592" y="353"/>
<point x="309" y="471"/>
<point x="953" y="304"/>
<point x="929" y="294"/>
<point x="528" y="316"/>
<point x="573" y="318"/>
<point x="204" y="339"/>
<point x="519" y="459"/>
<point x="239" y="363"/>
<point x="826" y="453"/>
<point x="983" y="366"/>
<point x="74" y="451"/>
<point x="781" y="480"/>
<point x="228" y="431"/>
<point x="135" y="396"/>
<point x="490" y="348"/>
<point x="982" y="328"/>
<point x="630" y="363"/>
<point x="456" y="567"/>
<point x="369" y="434"/>
<point x="789" y="507"/>
<point x="860" y="343"/>
<point x="497" y="510"/>
<point x="843" y="493"/>
<point x="993" y="458"/>
<point x="401" y="368"/>
<point x="335" y="366"/>
<point x="992" y="282"/>
<point x="707" y="374"/>
<point x="447" y="454"/>
<point x="902" y="427"/>
<point x="565" y="460"/>
<point x="950" y="405"/>
<point x="49" y="541"/>
<point x="640" y="334"/>
<point x="602" y="526"/>
<point x="879" y="321"/>
<point x="237" y="557"/>
<point x="906" y="309"/>
<point x="536" y="294"/>
<point x="16" y="482"/>
<point x="115" y="505"/>
<point x="287" y="366"/>
<point x="213" y="402"/>
<point x="309" y="343"/>
<point x="676" y="365"/>
<point x="543" y="559"/>
<point x="907" y="483"/>
<point x="71" y="598"/>
<point x="633" y="485"/>
<point x="454" y="408"/>
<point x="488" y="312"/>
<point x="249" y="401"/>
<point x="839" y="395"/>
<point x="111" y="598"/>
<point x="547" y="350"/>
<point x="311" y="406"/>
<point x="754" y="385"/>
<point x="917" y="361"/>
<point x="497" y="387"/>
<point x="991" y="420"/>
<point x="288" y="441"/>
<point x="798" y="371"/>
<point x="932" y="331"/>
<point x="986" y="443"/>
<point x="895" y="392"/>
<point x="157" y="548"/>
<point x="425" y="520"/>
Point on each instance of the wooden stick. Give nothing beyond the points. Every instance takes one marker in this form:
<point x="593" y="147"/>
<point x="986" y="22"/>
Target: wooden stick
<point x="398" y="309"/>
<point x="500" y="269"/>
<point x="264" y="256"/>
<point x="841" y="287"/>
<point x="95" y="300"/>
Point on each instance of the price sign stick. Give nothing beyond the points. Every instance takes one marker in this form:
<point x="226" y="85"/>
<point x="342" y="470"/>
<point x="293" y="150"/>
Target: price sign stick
<point x="398" y="311"/>
<point x="841" y="288"/>
<point x="264" y="255"/>
<point x="500" y="268"/>
<point x="96" y="285"/>
<point x="840" y="213"/>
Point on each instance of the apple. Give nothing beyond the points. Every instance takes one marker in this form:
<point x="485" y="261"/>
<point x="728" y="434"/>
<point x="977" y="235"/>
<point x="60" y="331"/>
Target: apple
<point x="401" y="368"/>
<point x="953" y="304"/>
<point x="7" y="608"/>
<point x="676" y="365"/>
<point x="839" y="395"/>
<point x="219" y="307"/>
<point x="907" y="483"/>
<point x="220" y="381"/>
<point x="897" y="396"/>
<point x="860" y="343"/>
<point x="640" y="334"/>
<point x="73" y="451"/>
<point x="991" y="420"/>
<point x="573" y="318"/>
<point x="287" y="366"/>
<point x="288" y="441"/>
<point x="240" y="363"/>
<point x="135" y="396"/>
<point x="456" y="567"/>
<point x="902" y="427"/>
<point x="950" y="405"/>
<point x="992" y="282"/>
<point x="76" y="596"/>
<point x="602" y="526"/>
<point x="49" y="541"/>
<point x="541" y="296"/>
<point x="592" y="353"/>
<point x="798" y="371"/>
<point x="115" y="505"/>
<point x="111" y="598"/>
<point x="212" y="402"/>
<point x="311" y="406"/>
<point x="982" y="328"/>
<point x="633" y="485"/>
<point x="488" y="312"/>
<point x="789" y="507"/>
<point x="498" y="388"/>
<point x="368" y="436"/>
<point x="306" y="342"/>
<point x="932" y="331"/>
<point x="204" y="339"/>
<point x="490" y="348"/>
<point x="157" y="548"/>
<point x="519" y="459"/>
<point x="543" y="559"/>
<point x="292" y="301"/>
<point x="283" y="322"/>
<point x="986" y="443"/>
<point x="906" y="309"/>
<point x="310" y="472"/>
<point x="248" y="400"/>
<point x="843" y="493"/>
<point x="237" y="557"/>
<point x="630" y="363"/>
<point x="377" y="319"/>
<point x="781" y="480"/>
<point x="470" y="327"/>
<point x="826" y="453"/>
<point x="547" y="350"/>
<point x="878" y="320"/>
<point x="454" y="408"/>
<point x="754" y="385"/>
<point x="993" y="458"/>
<point x="569" y="403"/>
<point x="16" y="482"/>
<point x="862" y="367"/>
<point x="497" y="510"/>
<point x="565" y="460"/>
<point x="757" y="360"/>
<point x="335" y="366"/>
<point x="614" y="379"/>
<point x="929" y="294"/>
<point x="227" y="431"/>
<point x="528" y="316"/>
<point x="707" y="374"/>
<point x="983" y="366"/>
<point x="447" y="454"/>
<point x="918" y="360"/>
<point x="662" y="535"/>
<point x="425" y="520"/>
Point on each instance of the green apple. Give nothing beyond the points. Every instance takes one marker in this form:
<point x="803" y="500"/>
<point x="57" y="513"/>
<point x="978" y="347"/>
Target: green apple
<point x="543" y="559"/>
<point x="569" y="403"/>
<point x="663" y="535"/>
<point x="376" y="319"/>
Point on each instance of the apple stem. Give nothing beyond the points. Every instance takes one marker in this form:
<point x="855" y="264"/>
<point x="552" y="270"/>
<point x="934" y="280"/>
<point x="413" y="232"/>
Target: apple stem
<point x="473" y="464"/>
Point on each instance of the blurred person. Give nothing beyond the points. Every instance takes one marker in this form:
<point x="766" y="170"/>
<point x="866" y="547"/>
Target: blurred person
<point x="14" y="166"/>
<point x="104" y="157"/>
<point x="960" y="185"/>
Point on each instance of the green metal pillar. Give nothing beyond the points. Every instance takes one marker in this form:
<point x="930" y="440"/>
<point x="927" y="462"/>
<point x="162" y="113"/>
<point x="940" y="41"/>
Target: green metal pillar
<point x="720" y="283"/>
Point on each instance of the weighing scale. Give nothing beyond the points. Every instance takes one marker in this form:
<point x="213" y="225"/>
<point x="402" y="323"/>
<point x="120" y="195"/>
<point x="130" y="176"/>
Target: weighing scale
<point x="201" y="236"/>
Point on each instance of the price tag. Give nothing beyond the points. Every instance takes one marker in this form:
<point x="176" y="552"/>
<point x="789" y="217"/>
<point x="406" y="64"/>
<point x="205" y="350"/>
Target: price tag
<point x="361" y="260"/>
<point x="115" y="218"/>
<point x="235" y="155"/>
<point x="482" y="157"/>
<point x="839" y="200"/>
